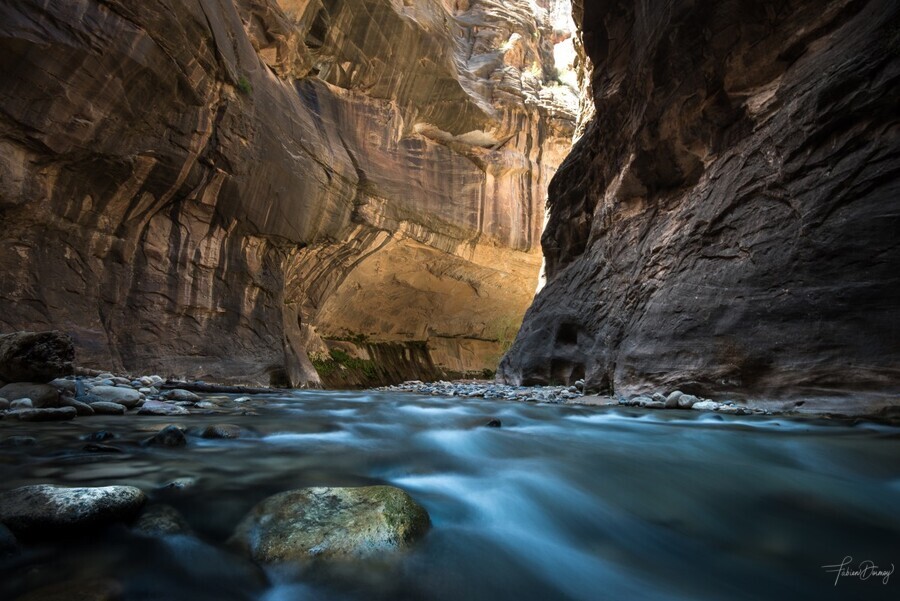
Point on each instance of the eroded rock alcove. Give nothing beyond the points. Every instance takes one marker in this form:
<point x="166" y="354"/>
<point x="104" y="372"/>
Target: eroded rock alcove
<point x="224" y="189"/>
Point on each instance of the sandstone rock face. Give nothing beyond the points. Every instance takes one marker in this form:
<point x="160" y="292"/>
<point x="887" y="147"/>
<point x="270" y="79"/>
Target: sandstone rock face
<point x="728" y="223"/>
<point x="220" y="189"/>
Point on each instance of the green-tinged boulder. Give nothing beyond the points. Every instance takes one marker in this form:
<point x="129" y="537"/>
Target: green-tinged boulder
<point x="331" y="523"/>
<point x="159" y="520"/>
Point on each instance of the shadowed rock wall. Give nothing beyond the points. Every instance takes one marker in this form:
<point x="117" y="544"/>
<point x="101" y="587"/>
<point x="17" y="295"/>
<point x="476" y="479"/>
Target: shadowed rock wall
<point x="217" y="188"/>
<point x="728" y="224"/>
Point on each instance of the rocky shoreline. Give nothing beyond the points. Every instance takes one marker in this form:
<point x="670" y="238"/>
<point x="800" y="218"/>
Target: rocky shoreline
<point x="844" y="408"/>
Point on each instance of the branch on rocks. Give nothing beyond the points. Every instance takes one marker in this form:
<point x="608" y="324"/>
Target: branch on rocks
<point x="212" y="388"/>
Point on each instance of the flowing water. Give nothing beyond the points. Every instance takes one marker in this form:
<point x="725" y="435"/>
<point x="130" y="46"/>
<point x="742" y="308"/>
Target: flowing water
<point x="559" y="503"/>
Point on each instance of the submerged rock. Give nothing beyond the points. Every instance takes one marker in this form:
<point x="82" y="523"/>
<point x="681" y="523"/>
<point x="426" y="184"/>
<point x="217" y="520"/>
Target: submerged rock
<point x="331" y="523"/>
<point x="47" y="510"/>
<point x="170" y="436"/>
<point x="494" y="423"/>
<point x="158" y="520"/>
<point x="221" y="431"/>
<point x="18" y="441"/>
<point x="94" y="447"/>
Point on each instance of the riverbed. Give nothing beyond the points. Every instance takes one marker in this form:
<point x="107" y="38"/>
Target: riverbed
<point x="560" y="502"/>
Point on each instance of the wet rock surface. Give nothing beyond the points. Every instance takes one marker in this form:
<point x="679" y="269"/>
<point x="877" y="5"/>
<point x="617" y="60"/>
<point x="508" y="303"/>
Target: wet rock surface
<point x="331" y="523"/>
<point x="46" y="510"/>
<point x="727" y="224"/>
<point x="160" y="520"/>
<point x="161" y="408"/>
<point x="170" y="436"/>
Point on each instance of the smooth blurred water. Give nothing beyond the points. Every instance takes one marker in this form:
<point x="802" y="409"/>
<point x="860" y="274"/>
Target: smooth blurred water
<point x="559" y="503"/>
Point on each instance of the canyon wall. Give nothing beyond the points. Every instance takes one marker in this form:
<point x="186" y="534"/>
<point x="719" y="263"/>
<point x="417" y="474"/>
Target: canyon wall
<point x="728" y="224"/>
<point x="226" y="189"/>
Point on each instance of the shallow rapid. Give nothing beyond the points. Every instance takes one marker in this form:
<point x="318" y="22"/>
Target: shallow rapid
<point x="559" y="503"/>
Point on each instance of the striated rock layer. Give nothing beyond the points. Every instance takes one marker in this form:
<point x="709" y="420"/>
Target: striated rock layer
<point x="728" y="223"/>
<point x="224" y="188"/>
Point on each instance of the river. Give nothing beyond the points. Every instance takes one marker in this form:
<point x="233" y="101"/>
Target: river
<point x="561" y="502"/>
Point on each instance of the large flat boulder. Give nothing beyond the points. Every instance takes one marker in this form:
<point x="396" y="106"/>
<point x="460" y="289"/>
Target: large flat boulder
<point x="115" y="394"/>
<point x="35" y="356"/>
<point x="331" y="523"/>
<point x="45" y="510"/>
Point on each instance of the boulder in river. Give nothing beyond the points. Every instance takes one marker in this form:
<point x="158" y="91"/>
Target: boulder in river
<point x="35" y="356"/>
<point x="41" y="395"/>
<point x="116" y="394"/>
<point x="221" y="431"/>
<point x="705" y="406"/>
<point x="158" y="520"/>
<point x="49" y="414"/>
<point x="80" y="408"/>
<point x="43" y="510"/>
<point x="18" y="404"/>
<point x="170" y="436"/>
<point x="179" y="394"/>
<point x="161" y="408"/>
<point x="671" y="401"/>
<point x="331" y="523"/>
<point x="106" y="408"/>
<point x="687" y="401"/>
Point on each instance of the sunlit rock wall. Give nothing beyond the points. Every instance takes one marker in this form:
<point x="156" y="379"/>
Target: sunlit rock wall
<point x="222" y="189"/>
<point x="728" y="224"/>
